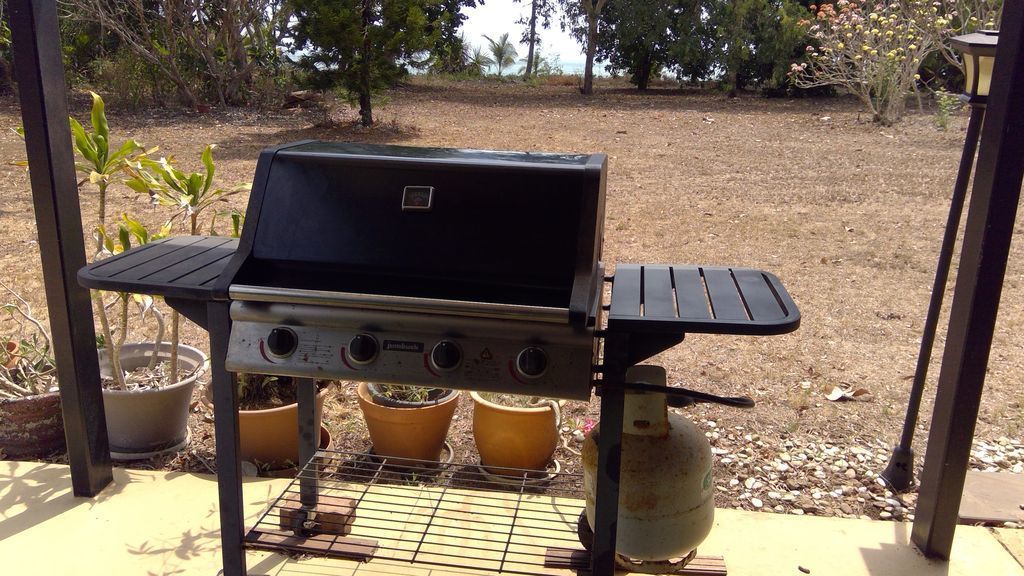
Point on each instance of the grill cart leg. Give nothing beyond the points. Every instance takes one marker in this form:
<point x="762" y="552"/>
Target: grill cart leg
<point x="229" y="467"/>
<point x="606" y="505"/>
<point x="309" y="440"/>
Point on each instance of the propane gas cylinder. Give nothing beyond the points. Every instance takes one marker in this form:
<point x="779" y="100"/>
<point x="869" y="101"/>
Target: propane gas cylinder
<point x="666" y="506"/>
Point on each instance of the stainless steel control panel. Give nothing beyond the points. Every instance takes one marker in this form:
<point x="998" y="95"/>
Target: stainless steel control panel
<point x="531" y="358"/>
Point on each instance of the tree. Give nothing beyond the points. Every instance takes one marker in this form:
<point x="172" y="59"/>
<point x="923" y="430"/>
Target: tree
<point x="540" y="11"/>
<point x="636" y="36"/>
<point x="874" y="51"/>
<point x="964" y="17"/>
<point x="362" y="45"/>
<point x="756" y="39"/>
<point x="581" y="17"/>
<point x="212" y="42"/>
<point x="478" y="62"/>
<point x="449" y="52"/>
<point x="503" y="52"/>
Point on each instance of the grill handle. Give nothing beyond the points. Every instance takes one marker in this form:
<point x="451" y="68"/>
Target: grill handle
<point x="682" y="397"/>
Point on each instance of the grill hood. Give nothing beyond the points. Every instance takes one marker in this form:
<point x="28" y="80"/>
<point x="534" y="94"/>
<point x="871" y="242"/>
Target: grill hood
<point x="447" y="224"/>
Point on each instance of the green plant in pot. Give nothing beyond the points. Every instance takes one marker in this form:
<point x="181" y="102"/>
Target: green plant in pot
<point x="31" y="425"/>
<point x="514" y="433"/>
<point x="268" y="421"/>
<point x="146" y="400"/>
<point x="407" y="422"/>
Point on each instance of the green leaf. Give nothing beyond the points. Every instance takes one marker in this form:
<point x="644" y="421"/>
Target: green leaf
<point x="99" y="118"/>
<point x="129" y="147"/>
<point x="124" y="237"/>
<point x="101" y="150"/>
<point x="137" y="185"/>
<point x="135" y="228"/>
<point x="83" y="143"/>
<point x="208" y="162"/>
<point x="195" y="186"/>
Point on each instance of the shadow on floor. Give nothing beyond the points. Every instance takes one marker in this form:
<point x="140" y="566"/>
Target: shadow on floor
<point x="33" y="493"/>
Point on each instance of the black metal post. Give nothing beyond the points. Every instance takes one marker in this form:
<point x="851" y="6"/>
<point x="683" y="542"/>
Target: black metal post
<point x="989" y="229"/>
<point x="899" y="474"/>
<point x="39" y="69"/>
<point x="309" y="440"/>
<point x="609" y="451"/>
<point x="229" y="467"/>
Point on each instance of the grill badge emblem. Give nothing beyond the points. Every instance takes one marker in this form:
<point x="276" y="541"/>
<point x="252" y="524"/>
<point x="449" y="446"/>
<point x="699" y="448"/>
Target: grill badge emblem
<point x="417" y="198"/>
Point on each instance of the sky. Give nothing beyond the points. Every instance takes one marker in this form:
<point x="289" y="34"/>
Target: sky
<point x="499" y="16"/>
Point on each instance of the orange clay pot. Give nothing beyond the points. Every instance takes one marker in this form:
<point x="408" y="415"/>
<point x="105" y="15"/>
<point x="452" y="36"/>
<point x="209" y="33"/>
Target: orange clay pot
<point x="417" y="433"/>
<point x="270" y="437"/>
<point x="12" y="349"/>
<point x="513" y="438"/>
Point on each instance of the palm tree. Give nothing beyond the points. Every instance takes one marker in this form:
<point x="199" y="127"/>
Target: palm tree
<point x="477" y="61"/>
<point x="503" y="52"/>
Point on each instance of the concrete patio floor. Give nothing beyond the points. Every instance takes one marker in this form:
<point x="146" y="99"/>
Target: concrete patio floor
<point x="163" y="523"/>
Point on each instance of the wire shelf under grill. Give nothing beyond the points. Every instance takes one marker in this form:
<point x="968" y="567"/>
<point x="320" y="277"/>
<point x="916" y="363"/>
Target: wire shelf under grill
<point x="452" y="515"/>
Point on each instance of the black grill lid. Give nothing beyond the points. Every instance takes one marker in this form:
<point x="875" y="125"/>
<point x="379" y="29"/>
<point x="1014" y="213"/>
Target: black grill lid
<point x="472" y="225"/>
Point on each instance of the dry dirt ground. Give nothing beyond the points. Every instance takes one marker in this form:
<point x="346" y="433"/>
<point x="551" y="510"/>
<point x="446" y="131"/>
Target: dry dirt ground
<point x="847" y="213"/>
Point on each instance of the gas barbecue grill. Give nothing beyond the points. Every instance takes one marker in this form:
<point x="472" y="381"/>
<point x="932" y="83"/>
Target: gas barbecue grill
<point x="445" y="268"/>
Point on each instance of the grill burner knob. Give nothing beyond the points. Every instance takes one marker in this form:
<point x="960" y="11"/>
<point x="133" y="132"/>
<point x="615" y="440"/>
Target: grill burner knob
<point x="363" y="349"/>
<point x="282" y="341"/>
<point x="446" y="355"/>
<point x="532" y="362"/>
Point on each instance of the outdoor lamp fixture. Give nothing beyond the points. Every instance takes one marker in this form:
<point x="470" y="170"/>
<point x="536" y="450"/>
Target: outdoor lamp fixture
<point x="979" y="54"/>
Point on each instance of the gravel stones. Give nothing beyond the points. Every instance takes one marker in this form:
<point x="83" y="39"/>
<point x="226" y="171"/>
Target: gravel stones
<point x="795" y="475"/>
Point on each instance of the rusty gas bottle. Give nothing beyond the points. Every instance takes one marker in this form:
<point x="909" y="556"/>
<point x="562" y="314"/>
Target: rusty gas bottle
<point x="666" y="505"/>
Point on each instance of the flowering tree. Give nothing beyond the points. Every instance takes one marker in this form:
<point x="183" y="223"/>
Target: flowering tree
<point x="968" y="16"/>
<point x="873" y="49"/>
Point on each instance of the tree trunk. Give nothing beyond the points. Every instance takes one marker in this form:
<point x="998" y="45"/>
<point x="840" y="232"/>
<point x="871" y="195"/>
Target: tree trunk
<point x="733" y="80"/>
<point x="588" y="70"/>
<point x="365" y="106"/>
<point x="643" y="73"/>
<point x="593" y="10"/>
<point x="533" y="40"/>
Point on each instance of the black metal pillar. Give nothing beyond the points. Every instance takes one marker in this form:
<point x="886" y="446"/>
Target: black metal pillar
<point x="229" y="467"/>
<point x="987" y="236"/>
<point x="39" y="70"/>
<point x="309" y="441"/>
<point x="609" y="451"/>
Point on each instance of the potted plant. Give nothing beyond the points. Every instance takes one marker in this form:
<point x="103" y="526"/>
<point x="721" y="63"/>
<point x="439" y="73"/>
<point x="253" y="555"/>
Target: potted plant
<point x="407" y="422"/>
<point x="514" y="433"/>
<point x="31" y="425"/>
<point x="268" y="420"/>
<point x="148" y="386"/>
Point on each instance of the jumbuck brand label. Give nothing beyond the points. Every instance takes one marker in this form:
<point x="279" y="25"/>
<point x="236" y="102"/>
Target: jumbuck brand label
<point x="403" y="346"/>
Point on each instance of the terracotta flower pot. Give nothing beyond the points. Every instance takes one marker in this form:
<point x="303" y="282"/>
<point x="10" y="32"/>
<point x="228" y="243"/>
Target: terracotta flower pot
<point x="270" y="437"/>
<point x="31" y="427"/>
<point x="146" y="423"/>
<point x="417" y="433"/>
<point x="510" y="438"/>
<point x="12" y="348"/>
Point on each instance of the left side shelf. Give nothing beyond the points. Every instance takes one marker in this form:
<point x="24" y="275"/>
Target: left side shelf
<point x="183" y="267"/>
